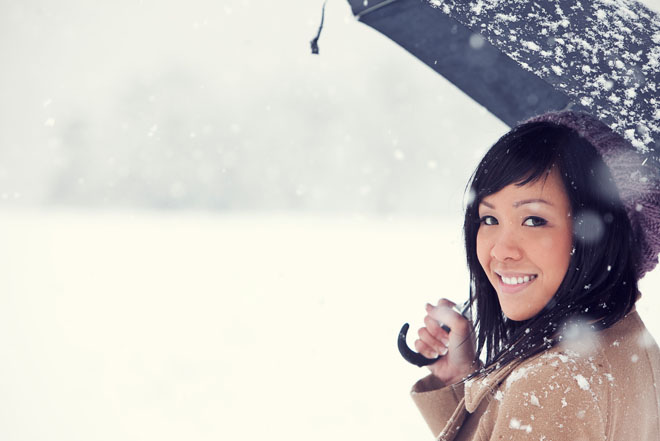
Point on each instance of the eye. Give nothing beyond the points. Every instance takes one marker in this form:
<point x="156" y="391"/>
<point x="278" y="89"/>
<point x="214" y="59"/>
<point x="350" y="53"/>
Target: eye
<point x="488" y="220"/>
<point x="535" y="221"/>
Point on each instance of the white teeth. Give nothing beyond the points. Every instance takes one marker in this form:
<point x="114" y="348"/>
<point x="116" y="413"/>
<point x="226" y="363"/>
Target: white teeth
<point x="517" y="280"/>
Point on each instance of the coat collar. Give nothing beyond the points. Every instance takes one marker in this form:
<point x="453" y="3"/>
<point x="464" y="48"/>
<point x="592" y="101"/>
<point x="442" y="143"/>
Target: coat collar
<point x="474" y="393"/>
<point x="478" y="389"/>
<point x="455" y="423"/>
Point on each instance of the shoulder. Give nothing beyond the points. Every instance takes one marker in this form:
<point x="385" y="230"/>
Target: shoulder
<point x="557" y="393"/>
<point x="558" y="373"/>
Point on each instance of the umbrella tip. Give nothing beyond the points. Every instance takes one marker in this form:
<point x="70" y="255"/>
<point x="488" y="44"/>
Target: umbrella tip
<point x="315" y="41"/>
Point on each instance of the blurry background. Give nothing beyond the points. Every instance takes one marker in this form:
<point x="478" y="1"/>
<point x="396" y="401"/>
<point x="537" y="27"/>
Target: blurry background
<point x="206" y="231"/>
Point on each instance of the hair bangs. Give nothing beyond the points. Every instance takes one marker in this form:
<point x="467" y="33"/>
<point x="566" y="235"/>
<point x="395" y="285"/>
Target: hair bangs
<point x="512" y="160"/>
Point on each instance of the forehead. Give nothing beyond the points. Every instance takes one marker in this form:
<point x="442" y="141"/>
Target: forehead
<point x="548" y="189"/>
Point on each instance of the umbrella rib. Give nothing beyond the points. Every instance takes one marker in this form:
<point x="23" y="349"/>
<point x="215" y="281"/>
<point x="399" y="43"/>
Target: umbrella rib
<point x="364" y="12"/>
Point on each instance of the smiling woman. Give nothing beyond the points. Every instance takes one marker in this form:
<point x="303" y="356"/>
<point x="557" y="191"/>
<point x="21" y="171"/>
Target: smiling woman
<point x="524" y="243"/>
<point x="559" y="229"/>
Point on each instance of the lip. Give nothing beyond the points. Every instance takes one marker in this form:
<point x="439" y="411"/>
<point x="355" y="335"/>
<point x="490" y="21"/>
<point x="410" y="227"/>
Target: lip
<point x="512" y="274"/>
<point x="512" y="289"/>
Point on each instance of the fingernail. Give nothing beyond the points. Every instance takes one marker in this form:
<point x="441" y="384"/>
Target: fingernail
<point x="434" y="355"/>
<point x="445" y="341"/>
<point x="444" y="351"/>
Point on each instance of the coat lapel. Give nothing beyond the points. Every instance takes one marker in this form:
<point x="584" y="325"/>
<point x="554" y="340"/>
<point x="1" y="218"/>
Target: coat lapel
<point x="478" y="389"/>
<point x="455" y="423"/>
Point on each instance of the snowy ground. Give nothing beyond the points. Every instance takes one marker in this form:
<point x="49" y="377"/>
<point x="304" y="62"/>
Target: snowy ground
<point x="142" y="326"/>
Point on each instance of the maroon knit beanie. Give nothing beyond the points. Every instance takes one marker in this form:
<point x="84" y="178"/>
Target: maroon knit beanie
<point x="636" y="177"/>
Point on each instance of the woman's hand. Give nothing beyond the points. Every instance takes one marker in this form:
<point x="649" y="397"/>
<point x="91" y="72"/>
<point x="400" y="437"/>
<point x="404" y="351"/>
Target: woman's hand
<point x="457" y="347"/>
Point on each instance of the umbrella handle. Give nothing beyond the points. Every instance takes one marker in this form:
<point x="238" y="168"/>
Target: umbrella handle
<point x="408" y="354"/>
<point x="416" y="358"/>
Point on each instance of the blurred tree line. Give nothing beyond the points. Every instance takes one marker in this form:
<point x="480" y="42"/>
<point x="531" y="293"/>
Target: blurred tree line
<point x="173" y="142"/>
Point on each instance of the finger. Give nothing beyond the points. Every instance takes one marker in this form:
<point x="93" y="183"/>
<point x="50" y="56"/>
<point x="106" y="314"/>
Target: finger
<point x="442" y="303"/>
<point x="433" y="343"/>
<point x="429" y="339"/>
<point x="446" y="302"/>
<point x="436" y="329"/>
<point x="456" y="322"/>
<point x="427" y="351"/>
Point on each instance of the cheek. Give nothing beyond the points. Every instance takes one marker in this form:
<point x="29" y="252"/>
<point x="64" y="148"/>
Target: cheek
<point x="557" y="245"/>
<point x="546" y="243"/>
<point x="557" y="252"/>
<point x="565" y="245"/>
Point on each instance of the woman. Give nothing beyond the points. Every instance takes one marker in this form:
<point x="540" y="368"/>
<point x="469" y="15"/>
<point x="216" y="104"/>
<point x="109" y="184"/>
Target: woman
<point x="564" y="219"/>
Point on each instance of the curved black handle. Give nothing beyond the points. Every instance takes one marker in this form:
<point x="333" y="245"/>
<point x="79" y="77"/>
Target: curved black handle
<point x="418" y="359"/>
<point x="408" y="354"/>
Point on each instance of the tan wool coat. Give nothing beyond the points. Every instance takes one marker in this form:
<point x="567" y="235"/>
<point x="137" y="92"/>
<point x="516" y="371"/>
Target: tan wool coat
<point x="603" y="386"/>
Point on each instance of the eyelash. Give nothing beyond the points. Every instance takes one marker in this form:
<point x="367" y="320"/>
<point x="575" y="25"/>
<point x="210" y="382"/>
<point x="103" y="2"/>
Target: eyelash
<point x="540" y="220"/>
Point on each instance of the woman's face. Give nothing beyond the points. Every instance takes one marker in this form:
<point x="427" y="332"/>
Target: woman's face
<point x="524" y="244"/>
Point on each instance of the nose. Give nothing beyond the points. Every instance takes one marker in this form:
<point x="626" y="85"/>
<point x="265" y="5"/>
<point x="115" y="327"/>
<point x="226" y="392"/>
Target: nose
<point x="505" y="246"/>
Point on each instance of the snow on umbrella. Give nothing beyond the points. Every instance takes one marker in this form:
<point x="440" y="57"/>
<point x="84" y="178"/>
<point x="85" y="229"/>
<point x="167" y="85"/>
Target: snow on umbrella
<point x="519" y="58"/>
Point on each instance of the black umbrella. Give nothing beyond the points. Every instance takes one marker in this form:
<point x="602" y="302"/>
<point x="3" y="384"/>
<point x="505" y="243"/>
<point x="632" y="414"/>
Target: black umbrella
<point x="520" y="58"/>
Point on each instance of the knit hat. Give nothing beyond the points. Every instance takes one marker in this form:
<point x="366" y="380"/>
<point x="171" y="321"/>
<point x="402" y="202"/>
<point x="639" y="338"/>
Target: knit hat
<point x="636" y="177"/>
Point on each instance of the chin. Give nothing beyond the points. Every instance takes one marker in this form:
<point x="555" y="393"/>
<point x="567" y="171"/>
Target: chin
<point x="517" y="315"/>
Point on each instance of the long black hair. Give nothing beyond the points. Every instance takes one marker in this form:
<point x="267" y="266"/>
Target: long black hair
<point x="600" y="284"/>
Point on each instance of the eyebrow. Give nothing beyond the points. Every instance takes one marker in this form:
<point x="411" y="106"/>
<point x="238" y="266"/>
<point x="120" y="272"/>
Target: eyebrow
<point x="523" y="202"/>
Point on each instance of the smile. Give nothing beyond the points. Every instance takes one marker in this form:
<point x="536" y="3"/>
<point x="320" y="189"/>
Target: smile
<point x="516" y="280"/>
<point x="514" y="283"/>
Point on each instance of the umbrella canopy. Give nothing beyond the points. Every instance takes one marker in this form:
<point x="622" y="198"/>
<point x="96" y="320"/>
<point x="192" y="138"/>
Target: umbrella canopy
<point x="519" y="58"/>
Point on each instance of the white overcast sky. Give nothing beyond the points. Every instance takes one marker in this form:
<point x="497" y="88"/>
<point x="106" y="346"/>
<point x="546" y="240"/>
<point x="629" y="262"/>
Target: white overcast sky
<point x="86" y="85"/>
